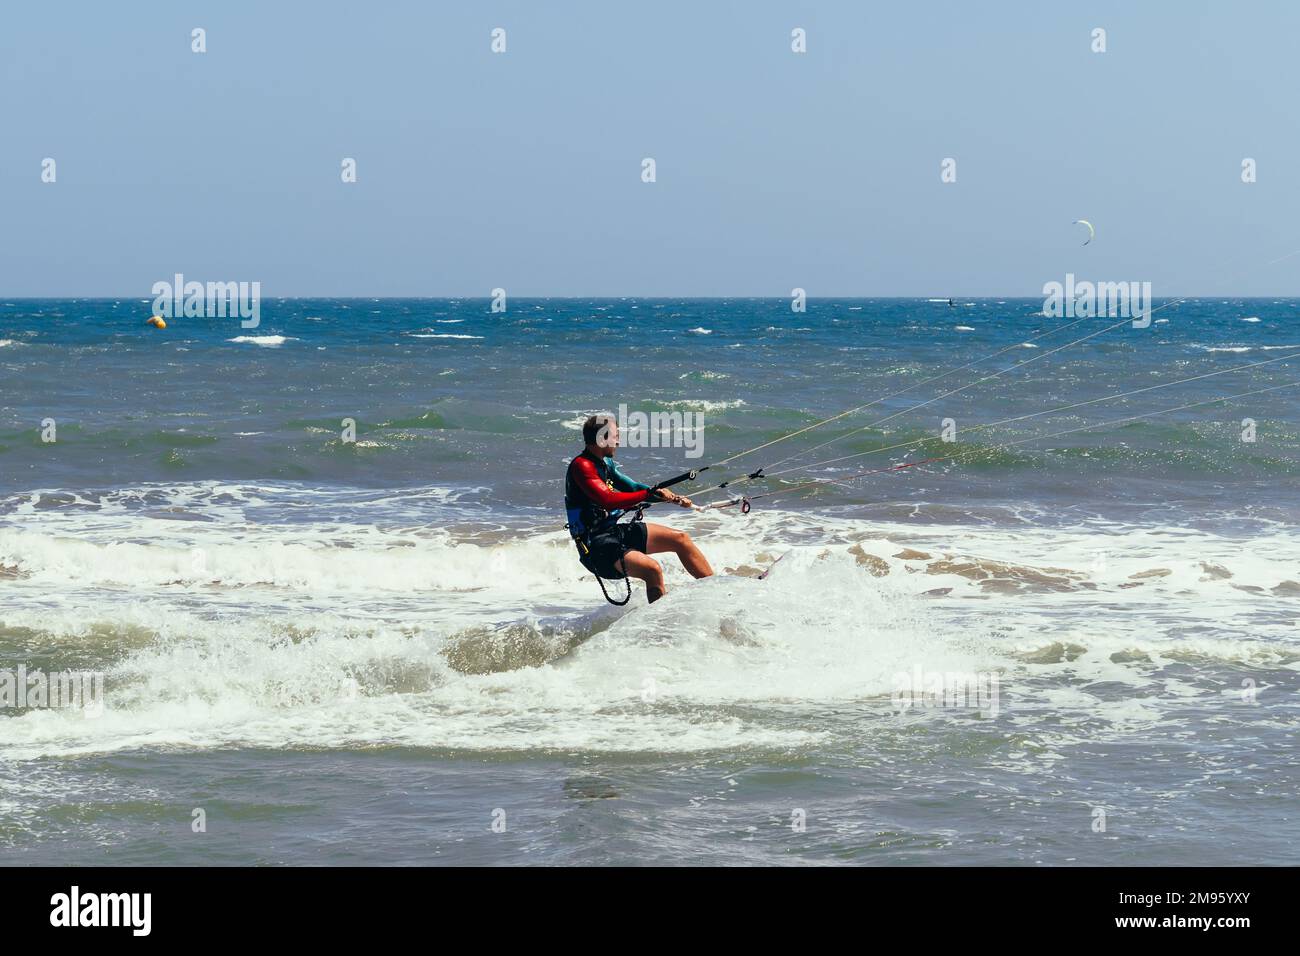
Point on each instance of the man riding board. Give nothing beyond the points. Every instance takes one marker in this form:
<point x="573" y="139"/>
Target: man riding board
<point x="596" y="494"/>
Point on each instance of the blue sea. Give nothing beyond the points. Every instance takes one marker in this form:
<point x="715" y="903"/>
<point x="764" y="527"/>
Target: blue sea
<point x="321" y="566"/>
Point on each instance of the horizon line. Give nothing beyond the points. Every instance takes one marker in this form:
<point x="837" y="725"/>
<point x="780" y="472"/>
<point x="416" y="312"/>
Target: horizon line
<point x="780" y="298"/>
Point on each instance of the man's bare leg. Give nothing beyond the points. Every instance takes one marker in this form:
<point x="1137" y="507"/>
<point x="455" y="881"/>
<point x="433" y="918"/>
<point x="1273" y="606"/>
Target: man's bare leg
<point x="660" y="538"/>
<point x="647" y="569"/>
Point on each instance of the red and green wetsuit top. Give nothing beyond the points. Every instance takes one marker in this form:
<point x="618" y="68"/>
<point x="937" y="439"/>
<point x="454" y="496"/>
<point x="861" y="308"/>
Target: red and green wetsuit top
<point x="596" y="492"/>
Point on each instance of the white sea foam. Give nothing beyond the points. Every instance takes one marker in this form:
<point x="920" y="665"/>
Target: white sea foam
<point x="363" y="632"/>
<point x="708" y="376"/>
<point x="703" y="405"/>
<point x="266" y="341"/>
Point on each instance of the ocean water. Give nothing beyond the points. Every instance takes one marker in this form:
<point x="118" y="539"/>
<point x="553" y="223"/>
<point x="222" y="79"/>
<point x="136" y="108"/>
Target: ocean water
<point x="384" y="651"/>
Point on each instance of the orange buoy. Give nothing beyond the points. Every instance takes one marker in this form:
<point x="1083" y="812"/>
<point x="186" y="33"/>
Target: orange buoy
<point x="158" y="322"/>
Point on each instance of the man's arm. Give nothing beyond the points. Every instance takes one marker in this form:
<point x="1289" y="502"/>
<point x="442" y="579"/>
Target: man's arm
<point x="663" y="494"/>
<point x="622" y="481"/>
<point x="588" y="479"/>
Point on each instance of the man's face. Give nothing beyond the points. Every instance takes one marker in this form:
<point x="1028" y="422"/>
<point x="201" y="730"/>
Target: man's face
<point x="607" y="438"/>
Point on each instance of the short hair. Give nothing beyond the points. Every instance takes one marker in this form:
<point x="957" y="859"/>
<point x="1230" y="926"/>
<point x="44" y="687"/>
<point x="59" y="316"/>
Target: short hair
<point x="593" y="426"/>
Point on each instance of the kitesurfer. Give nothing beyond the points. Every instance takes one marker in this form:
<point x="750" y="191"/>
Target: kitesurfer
<point x="597" y="494"/>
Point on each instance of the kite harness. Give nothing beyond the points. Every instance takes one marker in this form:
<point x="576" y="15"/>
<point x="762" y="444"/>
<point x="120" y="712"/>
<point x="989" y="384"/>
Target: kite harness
<point x="596" y="496"/>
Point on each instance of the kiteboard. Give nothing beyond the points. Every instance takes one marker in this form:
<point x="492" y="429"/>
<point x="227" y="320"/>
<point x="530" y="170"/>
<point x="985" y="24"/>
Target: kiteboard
<point x="772" y="565"/>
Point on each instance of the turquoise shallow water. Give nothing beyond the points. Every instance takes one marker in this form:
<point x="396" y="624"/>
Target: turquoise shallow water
<point x="359" y="652"/>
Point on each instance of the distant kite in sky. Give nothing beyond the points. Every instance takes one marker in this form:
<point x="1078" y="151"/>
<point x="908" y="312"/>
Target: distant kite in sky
<point x="1092" y="233"/>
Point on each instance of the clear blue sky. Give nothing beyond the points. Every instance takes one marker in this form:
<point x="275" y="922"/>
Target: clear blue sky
<point x="522" y="170"/>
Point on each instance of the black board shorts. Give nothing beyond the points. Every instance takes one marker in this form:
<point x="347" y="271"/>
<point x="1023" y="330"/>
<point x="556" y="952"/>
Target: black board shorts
<point x="604" y="549"/>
